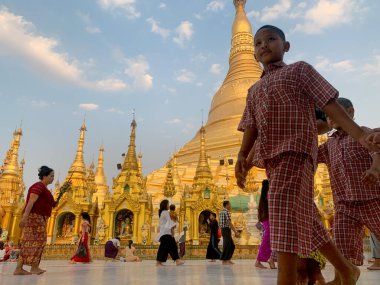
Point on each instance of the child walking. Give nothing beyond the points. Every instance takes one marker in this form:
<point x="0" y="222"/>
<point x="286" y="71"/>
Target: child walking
<point x="265" y="251"/>
<point x="279" y="119"/>
<point x="354" y="174"/>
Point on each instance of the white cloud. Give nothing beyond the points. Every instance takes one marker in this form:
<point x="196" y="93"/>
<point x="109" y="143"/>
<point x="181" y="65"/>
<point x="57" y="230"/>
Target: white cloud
<point x="88" y="106"/>
<point x="162" y="6"/>
<point x="329" y="13"/>
<point x="198" y="16"/>
<point x="215" y="6"/>
<point x="89" y="26"/>
<point x="39" y="103"/>
<point x="18" y="38"/>
<point x="185" y="76"/>
<point x="324" y="63"/>
<point x="128" y="6"/>
<point x="174" y="121"/>
<point x="373" y="68"/>
<point x="275" y="11"/>
<point x="137" y="69"/>
<point x="187" y="128"/>
<point x="115" y="110"/>
<point x="169" y="89"/>
<point x="216" y="68"/>
<point x="184" y="33"/>
<point x="155" y="28"/>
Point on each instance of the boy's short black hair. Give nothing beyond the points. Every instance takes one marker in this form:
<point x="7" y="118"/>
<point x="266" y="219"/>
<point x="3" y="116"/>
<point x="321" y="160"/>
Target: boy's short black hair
<point x="225" y="203"/>
<point x="320" y="115"/>
<point x="344" y="102"/>
<point x="274" y="29"/>
<point x="172" y="207"/>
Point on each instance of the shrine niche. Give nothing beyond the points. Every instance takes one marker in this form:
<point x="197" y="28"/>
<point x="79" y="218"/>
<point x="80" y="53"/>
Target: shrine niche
<point x="204" y="229"/>
<point x="124" y="224"/>
<point x="65" y="227"/>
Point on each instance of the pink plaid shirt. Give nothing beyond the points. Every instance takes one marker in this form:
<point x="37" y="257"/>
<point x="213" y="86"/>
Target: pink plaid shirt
<point x="281" y="106"/>
<point x="347" y="160"/>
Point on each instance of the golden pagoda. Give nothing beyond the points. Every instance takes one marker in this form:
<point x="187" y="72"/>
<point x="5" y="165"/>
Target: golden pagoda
<point x="64" y="224"/>
<point x="102" y="189"/>
<point x="11" y="190"/>
<point x="223" y="139"/>
<point x="127" y="213"/>
<point x="203" y="198"/>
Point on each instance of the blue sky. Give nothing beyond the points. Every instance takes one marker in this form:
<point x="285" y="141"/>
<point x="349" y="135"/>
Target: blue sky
<point x="63" y="60"/>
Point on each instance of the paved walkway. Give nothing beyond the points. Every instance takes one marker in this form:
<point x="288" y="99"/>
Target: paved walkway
<point x="146" y="273"/>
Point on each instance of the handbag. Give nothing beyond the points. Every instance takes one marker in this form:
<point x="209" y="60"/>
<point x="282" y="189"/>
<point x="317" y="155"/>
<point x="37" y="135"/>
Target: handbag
<point x="81" y="251"/>
<point x="219" y="232"/>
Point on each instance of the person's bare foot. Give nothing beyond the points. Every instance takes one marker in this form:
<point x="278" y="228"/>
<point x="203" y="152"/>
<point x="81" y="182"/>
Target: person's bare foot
<point x="225" y="262"/>
<point x="258" y="264"/>
<point x="230" y="262"/>
<point x="37" y="271"/>
<point x="272" y="264"/>
<point x="371" y="260"/>
<point x="159" y="263"/>
<point x="373" y="267"/>
<point x="21" y="272"/>
<point x="179" y="262"/>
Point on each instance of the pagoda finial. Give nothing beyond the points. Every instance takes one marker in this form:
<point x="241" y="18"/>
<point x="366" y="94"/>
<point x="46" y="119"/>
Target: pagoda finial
<point x="100" y="177"/>
<point x="203" y="168"/>
<point x="169" y="187"/>
<point x="78" y="164"/>
<point x="238" y="3"/>
<point x="130" y="161"/>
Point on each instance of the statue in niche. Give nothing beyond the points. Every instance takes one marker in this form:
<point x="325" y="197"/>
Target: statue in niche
<point x="67" y="226"/>
<point x="124" y="224"/>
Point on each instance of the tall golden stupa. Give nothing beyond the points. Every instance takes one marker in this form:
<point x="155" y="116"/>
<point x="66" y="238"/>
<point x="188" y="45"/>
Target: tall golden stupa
<point x="223" y="139"/>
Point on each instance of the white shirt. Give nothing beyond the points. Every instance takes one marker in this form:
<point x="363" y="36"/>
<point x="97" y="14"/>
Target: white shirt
<point x="115" y="242"/>
<point x="166" y="225"/>
<point x="2" y="254"/>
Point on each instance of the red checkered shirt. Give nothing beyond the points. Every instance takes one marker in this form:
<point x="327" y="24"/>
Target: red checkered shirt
<point x="281" y="106"/>
<point x="347" y="160"/>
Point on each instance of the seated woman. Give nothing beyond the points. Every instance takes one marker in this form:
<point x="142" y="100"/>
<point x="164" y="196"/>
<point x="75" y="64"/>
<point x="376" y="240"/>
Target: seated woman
<point x="129" y="253"/>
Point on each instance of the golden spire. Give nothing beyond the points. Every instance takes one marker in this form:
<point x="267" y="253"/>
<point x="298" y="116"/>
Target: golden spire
<point x="139" y="163"/>
<point x="11" y="185"/>
<point x="78" y="165"/>
<point x="102" y="189"/>
<point x="100" y="177"/>
<point x="203" y="171"/>
<point x="130" y="161"/>
<point x="169" y="187"/>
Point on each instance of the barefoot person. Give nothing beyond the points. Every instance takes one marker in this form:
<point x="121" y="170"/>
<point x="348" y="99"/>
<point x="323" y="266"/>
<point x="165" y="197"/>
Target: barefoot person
<point x="168" y="245"/>
<point x="38" y="207"/>
<point x="265" y="251"/>
<point x="213" y="251"/>
<point x="82" y="253"/>
<point x="279" y="119"/>
<point x="226" y="226"/>
<point x="354" y="174"/>
<point x="130" y="253"/>
<point x="111" y="248"/>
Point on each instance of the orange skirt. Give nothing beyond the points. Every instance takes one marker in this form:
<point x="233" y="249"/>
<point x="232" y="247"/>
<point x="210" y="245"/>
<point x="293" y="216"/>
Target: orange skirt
<point x="33" y="239"/>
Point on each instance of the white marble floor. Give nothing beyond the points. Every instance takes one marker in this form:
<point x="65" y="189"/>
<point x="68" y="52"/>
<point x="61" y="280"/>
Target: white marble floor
<point x="146" y="273"/>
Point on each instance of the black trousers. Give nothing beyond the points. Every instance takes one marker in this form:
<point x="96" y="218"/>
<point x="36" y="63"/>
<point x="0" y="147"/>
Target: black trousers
<point x="167" y="246"/>
<point x="228" y="244"/>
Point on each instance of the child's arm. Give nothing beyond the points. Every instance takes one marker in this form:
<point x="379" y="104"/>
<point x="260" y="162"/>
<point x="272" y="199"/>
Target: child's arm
<point x="339" y="116"/>
<point x="371" y="176"/>
<point x="241" y="167"/>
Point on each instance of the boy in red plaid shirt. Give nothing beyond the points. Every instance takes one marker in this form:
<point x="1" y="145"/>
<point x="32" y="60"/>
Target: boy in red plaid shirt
<point x="354" y="174"/>
<point x="279" y="121"/>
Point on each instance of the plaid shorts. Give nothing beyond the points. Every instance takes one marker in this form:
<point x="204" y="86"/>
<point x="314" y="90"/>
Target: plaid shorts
<point x="294" y="219"/>
<point x="349" y="221"/>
